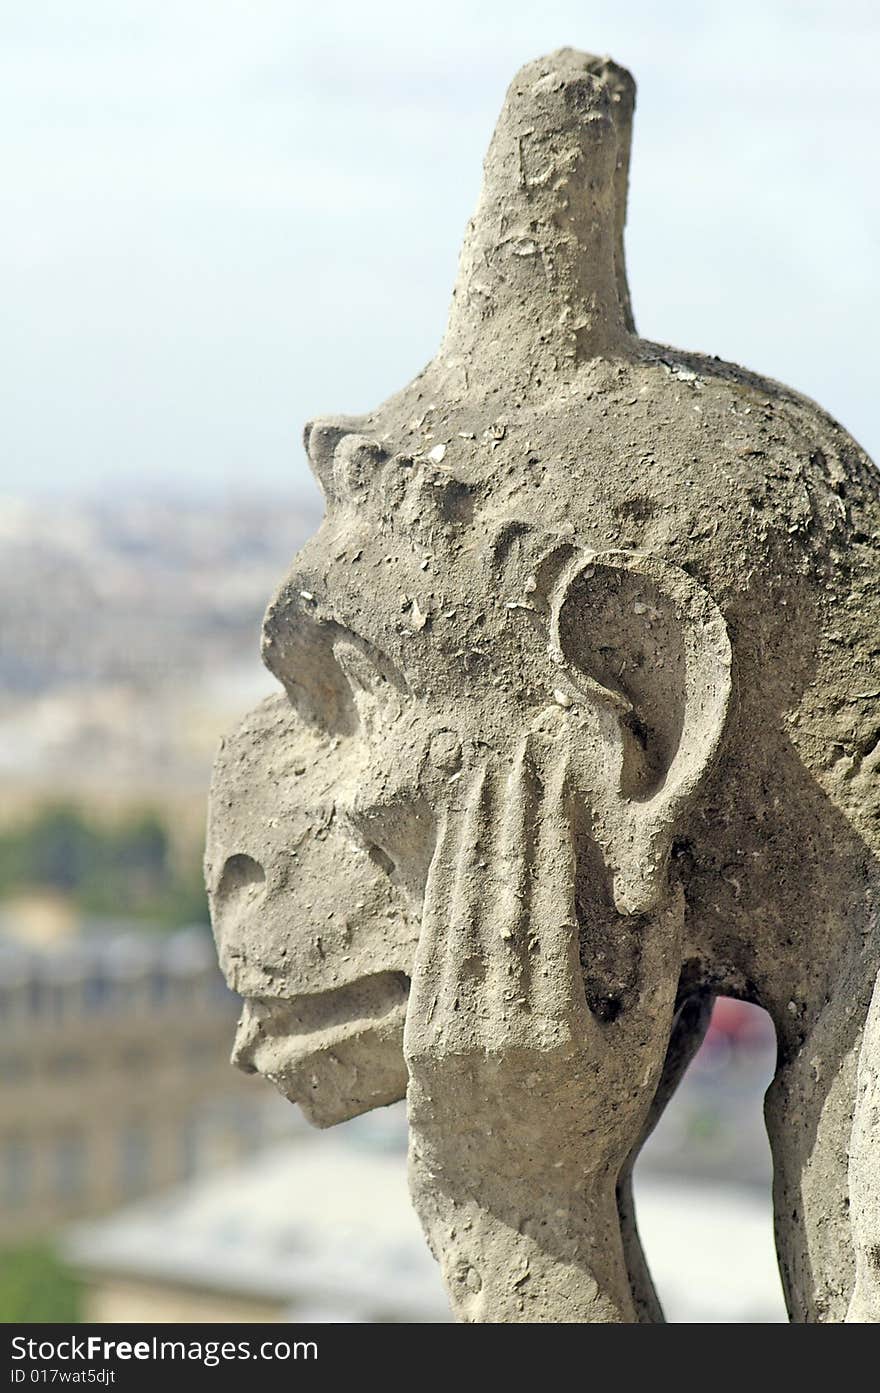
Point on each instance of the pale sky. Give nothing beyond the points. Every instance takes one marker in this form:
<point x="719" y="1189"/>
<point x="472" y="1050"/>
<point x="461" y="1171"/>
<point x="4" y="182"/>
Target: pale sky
<point x="223" y="216"/>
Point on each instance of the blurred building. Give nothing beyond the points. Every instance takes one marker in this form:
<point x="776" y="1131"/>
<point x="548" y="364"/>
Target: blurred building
<point x="114" y="1074"/>
<point x="322" y="1230"/>
<point x="710" y="1250"/>
<point x="713" y="1129"/>
<point x="317" y="1230"/>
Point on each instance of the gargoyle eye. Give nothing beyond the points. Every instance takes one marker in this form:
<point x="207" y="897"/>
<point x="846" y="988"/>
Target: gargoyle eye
<point x="376" y="685"/>
<point x="365" y="676"/>
<point x="326" y="667"/>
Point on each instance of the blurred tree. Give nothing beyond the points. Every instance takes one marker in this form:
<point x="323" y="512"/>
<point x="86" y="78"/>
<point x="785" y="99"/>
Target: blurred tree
<point x="56" y="850"/>
<point x="34" y="1286"/>
<point x="124" y="869"/>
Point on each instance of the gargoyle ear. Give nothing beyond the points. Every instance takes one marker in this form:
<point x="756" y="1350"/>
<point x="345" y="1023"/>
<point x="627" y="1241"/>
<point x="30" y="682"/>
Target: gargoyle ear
<point x="642" y="636"/>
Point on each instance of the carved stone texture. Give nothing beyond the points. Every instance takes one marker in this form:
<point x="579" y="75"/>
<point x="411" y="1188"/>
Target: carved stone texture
<point x="580" y="727"/>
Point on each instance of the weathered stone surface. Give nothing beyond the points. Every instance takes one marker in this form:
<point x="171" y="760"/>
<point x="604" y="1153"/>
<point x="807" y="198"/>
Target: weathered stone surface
<point x="580" y="727"/>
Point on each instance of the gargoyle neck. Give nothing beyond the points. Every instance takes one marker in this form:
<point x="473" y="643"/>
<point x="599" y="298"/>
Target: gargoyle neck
<point x="542" y="282"/>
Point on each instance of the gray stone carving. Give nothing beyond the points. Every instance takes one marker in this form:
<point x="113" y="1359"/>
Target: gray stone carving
<point x="579" y="728"/>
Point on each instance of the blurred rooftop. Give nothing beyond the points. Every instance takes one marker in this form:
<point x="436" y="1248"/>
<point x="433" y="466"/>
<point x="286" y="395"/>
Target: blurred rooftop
<point x="317" y="1229"/>
<point x="323" y="1230"/>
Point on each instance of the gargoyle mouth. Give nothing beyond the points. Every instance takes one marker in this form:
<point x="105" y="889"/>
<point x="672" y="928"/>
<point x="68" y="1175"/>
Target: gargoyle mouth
<point x="274" y="1031"/>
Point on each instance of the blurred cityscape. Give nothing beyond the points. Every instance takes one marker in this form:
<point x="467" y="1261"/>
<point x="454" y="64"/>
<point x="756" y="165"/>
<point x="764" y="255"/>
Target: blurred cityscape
<point x="141" y="1177"/>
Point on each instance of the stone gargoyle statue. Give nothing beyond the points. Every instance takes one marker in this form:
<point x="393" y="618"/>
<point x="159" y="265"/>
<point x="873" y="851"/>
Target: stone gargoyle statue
<point x="578" y="728"/>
